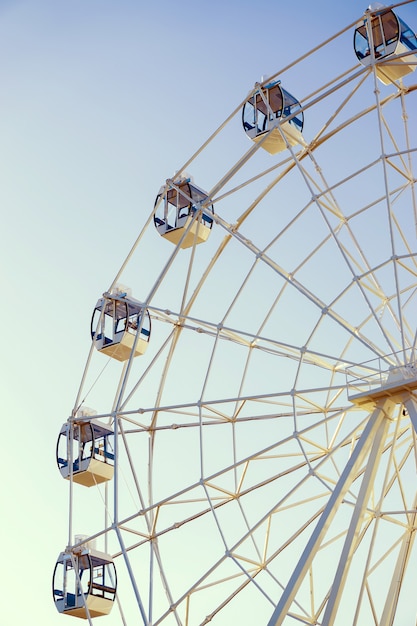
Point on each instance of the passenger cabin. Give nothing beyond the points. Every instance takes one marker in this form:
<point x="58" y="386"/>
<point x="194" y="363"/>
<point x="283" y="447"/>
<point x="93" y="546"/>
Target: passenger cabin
<point x="273" y="116"/>
<point x="84" y="583"/>
<point x="382" y="37"/>
<point x="87" y="448"/>
<point x="119" y="325"/>
<point x="183" y="214"/>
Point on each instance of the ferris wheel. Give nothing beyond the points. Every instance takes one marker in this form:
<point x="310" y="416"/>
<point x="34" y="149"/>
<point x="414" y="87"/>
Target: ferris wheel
<point x="242" y="448"/>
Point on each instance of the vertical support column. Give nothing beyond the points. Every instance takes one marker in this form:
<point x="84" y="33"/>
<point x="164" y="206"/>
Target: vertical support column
<point x="387" y="408"/>
<point x="410" y="404"/>
<point x="376" y="427"/>
<point x="388" y="615"/>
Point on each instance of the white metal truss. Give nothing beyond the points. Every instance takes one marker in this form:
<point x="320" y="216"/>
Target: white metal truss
<point x="265" y="444"/>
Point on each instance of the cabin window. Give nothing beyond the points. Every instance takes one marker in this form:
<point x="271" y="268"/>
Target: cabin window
<point x="408" y="37"/>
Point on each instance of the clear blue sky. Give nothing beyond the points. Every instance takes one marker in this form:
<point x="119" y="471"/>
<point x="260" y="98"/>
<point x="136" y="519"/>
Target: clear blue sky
<point x="101" y="101"/>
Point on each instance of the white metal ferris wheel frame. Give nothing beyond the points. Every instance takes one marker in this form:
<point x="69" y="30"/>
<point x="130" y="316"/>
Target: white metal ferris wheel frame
<point x="369" y="438"/>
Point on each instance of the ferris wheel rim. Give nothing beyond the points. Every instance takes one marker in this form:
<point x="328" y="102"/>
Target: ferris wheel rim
<point x="315" y="452"/>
